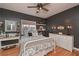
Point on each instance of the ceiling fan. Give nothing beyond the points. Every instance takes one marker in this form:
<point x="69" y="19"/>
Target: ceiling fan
<point x="39" y="6"/>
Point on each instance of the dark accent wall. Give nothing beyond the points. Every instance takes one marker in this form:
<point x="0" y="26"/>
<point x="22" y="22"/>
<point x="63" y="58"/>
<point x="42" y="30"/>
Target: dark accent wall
<point x="6" y="14"/>
<point x="72" y="17"/>
<point x="13" y="15"/>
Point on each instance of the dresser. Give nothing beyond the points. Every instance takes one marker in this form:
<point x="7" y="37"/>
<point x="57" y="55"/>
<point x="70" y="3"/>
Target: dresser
<point x="63" y="41"/>
<point x="9" y="41"/>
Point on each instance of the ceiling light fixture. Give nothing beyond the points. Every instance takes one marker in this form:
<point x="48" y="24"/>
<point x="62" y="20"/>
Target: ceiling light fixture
<point x="40" y="6"/>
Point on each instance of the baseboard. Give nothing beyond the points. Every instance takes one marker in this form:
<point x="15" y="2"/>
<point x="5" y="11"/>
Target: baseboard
<point x="76" y="48"/>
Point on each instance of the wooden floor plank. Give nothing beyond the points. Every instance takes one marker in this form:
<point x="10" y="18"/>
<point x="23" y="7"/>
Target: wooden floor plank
<point x="62" y="52"/>
<point x="10" y="52"/>
<point x="59" y="52"/>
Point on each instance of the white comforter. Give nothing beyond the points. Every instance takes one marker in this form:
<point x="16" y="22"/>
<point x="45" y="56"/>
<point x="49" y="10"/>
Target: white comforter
<point x="39" y="45"/>
<point x="31" y="38"/>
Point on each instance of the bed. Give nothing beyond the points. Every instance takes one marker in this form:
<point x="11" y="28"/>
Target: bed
<point x="36" y="46"/>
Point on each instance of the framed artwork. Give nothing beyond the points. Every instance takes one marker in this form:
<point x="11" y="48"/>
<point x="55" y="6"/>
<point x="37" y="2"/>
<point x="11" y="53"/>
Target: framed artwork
<point x="10" y="25"/>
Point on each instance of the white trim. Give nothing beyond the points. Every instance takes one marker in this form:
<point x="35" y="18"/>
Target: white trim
<point x="76" y="48"/>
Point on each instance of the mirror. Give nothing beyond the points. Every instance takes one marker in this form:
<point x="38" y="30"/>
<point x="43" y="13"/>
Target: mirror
<point x="10" y="26"/>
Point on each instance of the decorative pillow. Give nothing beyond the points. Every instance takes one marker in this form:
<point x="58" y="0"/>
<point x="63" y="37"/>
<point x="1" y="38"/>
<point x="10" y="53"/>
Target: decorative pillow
<point x="29" y="34"/>
<point x="35" y="33"/>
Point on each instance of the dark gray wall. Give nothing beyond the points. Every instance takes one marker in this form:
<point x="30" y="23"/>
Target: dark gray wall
<point x="71" y="17"/>
<point x="59" y="19"/>
<point x="13" y="15"/>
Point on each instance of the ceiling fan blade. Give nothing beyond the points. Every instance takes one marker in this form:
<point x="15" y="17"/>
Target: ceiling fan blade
<point x="31" y="6"/>
<point x="45" y="9"/>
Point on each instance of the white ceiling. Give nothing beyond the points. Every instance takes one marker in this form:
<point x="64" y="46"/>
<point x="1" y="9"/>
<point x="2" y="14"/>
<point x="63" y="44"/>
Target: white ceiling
<point x="54" y="8"/>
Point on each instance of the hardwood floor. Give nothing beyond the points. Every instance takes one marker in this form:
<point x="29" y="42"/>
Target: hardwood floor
<point x="62" y="52"/>
<point x="59" y="52"/>
<point x="10" y="52"/>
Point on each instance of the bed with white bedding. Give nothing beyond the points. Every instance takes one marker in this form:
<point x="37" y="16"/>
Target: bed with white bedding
<point x="36" y="46"/>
